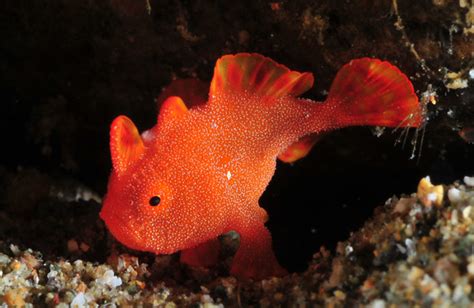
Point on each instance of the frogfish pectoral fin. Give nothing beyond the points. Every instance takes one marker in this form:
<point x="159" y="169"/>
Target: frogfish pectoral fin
<point x="126" y="144"/>
<point x="300" y="148"/>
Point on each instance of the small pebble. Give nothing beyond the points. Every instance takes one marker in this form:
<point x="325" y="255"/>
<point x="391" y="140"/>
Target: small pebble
<point x="109" y="279"/>
<point x="401" y="249"/>
<point x="466" y="212"/>
<point x="14" y="298"/>
<point x="415" y="274"/>
<point x="349" y="250"/>
<point x="205" y="298"/>
<point x="445" y="271"/>
<point x="16" y="251"/>
<point x="430" y="194"/>
<point x="454" y="217"/>
<point x="454" y="195"/>
<point x="79" y="301"/>
<point x="428" y="284"/>
<point x="470" y="266"/>
<point x="404" y="205"/>
<point x="411" y="247"/>
<point x="377" y="303"/>
<point x="469" y="180"/>
<point x="340" y="295"/>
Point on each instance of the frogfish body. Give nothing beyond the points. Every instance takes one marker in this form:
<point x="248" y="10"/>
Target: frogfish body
<point x="200" y="171"/>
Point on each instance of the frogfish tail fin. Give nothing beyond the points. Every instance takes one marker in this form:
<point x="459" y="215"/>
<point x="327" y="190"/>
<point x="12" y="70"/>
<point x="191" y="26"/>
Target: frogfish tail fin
<point x="373" y="92"/>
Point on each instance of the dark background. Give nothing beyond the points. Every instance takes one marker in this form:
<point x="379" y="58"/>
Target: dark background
<point x="68" y="67"/>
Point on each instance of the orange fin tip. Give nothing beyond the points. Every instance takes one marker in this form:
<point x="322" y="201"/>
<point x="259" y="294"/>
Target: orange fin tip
<point x="300" y="148"/>
<point x="258" y="75"/>
<point x="126" y="145"/>
<point x="173" y="108"/>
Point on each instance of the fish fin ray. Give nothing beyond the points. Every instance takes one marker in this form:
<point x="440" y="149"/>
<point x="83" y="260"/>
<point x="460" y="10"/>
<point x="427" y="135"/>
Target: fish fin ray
<point x="257" y="75"/>
<point x="300" y="148"/>
<point x="173" y="108"/>
<point x="126" y="144"/>
<point x="374" y="92"/>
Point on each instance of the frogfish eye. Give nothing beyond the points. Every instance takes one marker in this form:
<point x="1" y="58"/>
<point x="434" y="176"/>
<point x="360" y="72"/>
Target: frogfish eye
<point x="154" y="201"/>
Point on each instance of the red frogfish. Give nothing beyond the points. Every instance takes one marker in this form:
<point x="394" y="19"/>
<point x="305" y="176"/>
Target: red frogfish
<point x="200" y="171"/>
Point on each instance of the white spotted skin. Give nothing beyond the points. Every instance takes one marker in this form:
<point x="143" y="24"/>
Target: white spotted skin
<point x="188" y="165"/>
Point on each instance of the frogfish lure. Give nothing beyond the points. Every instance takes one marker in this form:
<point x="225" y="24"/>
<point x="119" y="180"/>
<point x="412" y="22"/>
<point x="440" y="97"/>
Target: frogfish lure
<point x="200" y="171"/>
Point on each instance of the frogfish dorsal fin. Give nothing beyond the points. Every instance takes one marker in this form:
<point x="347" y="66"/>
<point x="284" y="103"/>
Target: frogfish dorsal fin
<point x="126" y="145"/>
<point x="257" y="75"/>
<point x="172" y="109"/>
